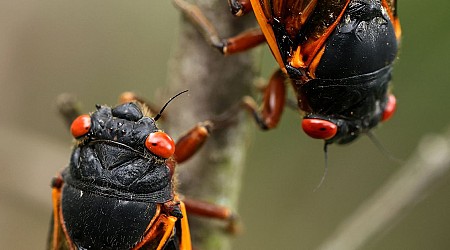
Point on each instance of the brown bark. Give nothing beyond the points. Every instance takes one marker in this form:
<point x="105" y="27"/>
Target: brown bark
<point x="215" y="83"/>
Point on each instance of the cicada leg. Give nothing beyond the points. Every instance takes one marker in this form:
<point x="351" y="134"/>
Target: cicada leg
<point x="186" y="147"/>
<point x="209" y="210"/>
<point x="268" y="116"/>
<point x="244" y="41"/>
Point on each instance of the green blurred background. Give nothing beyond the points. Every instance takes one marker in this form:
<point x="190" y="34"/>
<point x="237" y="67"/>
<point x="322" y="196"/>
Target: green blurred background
<point x="98" y="49"/>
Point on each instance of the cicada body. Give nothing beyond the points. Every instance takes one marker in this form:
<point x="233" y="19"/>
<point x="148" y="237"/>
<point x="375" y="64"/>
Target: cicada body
<point x="339" y="56"/>
<point x="118" y="191"/>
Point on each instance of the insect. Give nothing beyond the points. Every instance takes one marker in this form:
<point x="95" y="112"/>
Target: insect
<point x="337" y="54"/>
<point x="118" y="191"/>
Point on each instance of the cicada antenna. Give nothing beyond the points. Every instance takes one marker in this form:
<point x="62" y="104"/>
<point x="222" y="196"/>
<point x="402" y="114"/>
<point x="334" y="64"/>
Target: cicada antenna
<point x="382" y="148"/>
<point x="167" y="103"/>
<point x="325" y="170"/>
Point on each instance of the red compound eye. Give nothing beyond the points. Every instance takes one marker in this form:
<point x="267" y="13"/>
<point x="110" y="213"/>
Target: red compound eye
<point x="390" y="108"/>
<point x="160" y="144"/>
<point x="319" y="129"/>
<point x="80" y="126"/>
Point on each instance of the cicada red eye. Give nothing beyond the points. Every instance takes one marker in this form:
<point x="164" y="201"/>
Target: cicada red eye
<point x="160" y="144"/>
<point x="390" y="108"/>
<point x="80" y="126"/>
<point x="319" y="129"/>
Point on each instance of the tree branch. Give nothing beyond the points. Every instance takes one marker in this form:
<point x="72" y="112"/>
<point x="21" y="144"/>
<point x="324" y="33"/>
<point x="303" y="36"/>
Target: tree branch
<point x="215" y="83"/>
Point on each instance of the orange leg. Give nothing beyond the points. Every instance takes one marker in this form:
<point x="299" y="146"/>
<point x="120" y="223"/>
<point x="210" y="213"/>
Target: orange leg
<point x="244" y="41"/>
<point x="191" y="142"/>
<point x="240" y="7"/>
<point x="205" y="209"/>
<point x="273" y="102"/>
<point x="186" y="147"/>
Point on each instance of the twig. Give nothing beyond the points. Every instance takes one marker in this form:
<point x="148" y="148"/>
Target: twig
<point x="407" y="187"/>
<point x="215" y="83"/>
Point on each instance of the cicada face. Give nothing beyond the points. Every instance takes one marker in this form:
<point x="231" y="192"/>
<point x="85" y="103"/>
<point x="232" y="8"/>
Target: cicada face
<point x="121" y="153"/>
